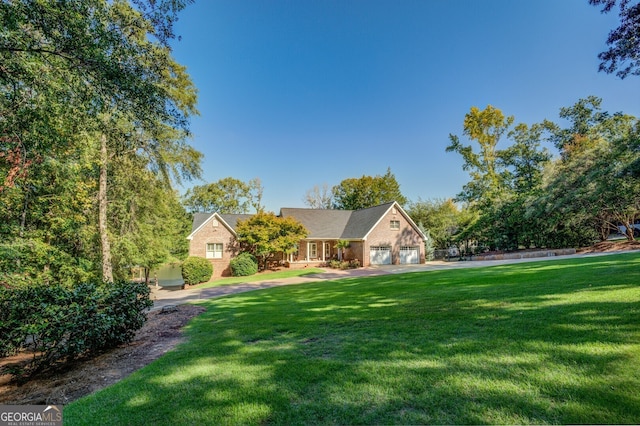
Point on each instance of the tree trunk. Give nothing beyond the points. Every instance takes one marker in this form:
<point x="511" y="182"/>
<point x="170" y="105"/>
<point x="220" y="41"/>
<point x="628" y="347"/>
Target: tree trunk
<point x="107" y="269"/>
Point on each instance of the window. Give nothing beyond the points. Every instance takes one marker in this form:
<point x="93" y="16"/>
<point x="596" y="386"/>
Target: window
<point x="214" y="251"/>
<point x="395" y="224"/>
<point x="313" y="250"/>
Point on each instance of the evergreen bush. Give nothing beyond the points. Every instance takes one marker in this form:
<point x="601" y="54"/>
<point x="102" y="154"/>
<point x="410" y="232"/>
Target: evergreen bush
<point x="196" y="270"/>
<point x="58" y="324"/>
<point x="243" y="265"/>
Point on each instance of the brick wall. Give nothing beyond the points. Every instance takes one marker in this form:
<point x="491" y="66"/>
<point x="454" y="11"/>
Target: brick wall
<point x="215" y="232"/>
<point x="383" y="235"/>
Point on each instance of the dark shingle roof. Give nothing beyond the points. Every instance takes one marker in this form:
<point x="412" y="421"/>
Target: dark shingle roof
<point x="321" y="223"/>
<point x="362" y="221"/>
<point x="337" y="224"/>
<point x="231" y="219"/>
<point x="199" y="219"/>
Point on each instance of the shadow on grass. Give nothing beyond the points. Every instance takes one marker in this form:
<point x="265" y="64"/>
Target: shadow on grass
<point x="546" y="345"/>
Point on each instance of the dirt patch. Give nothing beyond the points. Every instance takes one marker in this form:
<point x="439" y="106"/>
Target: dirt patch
<point x="609" y="246"/>
<point x="161" y="332"/>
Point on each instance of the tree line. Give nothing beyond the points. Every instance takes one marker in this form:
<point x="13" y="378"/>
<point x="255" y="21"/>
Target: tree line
<point x="94" y="130"/>
<point x="523" y="196"/>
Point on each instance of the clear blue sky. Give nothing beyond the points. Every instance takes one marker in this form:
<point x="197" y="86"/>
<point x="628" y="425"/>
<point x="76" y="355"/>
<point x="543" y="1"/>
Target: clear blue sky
<point x="300" y="93"/>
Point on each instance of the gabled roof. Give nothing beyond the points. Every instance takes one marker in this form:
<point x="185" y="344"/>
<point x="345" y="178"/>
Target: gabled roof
<point x="321" y="223"/>
<point x="343" y="224"/>
<point x="228" y="220"/>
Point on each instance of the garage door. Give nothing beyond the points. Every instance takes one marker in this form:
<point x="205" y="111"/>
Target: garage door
<point x="409" y="255"/>
<point x="380" y="255"/>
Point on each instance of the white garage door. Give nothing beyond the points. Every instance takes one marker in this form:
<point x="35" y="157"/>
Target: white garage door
<point x="409" y="255"/>
<point x="379" y="255"/>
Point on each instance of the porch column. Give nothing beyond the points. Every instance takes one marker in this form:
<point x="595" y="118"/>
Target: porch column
<point x="324" y="253"/>
<point x="306" y="256"/>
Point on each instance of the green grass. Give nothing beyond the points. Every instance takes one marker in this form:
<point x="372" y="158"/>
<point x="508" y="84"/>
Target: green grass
<point x="545" y="342"/>
<point x="285" y="273"/>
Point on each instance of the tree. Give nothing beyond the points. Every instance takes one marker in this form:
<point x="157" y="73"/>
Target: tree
<point x="95" y="73"/>
<point x="485" y="127"/>
<point x="593" y="182"/>
<point x="226" y="196"/>
<point x="148" y="221"/>
<point x="319" y="198"/>
<point x="502" y="180"/>
<point x="623" y="54"/>
<point x="342" y="245"/>
<point x="439" y="217"/>
<point x="367" y="191"/>
<point x="265" y="234"/>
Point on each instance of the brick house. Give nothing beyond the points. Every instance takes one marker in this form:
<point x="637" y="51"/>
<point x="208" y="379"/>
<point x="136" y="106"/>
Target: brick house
<point x="378" y="235"/>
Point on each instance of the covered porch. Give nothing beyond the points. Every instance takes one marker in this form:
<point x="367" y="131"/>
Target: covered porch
<point x="314" y="252"/>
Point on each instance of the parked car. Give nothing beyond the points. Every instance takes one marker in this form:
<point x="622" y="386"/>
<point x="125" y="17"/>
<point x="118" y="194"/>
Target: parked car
<point x="636" y="228"/>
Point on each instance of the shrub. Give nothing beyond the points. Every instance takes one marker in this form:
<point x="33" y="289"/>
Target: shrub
<point x="343" y="264"/>
<point x="243" y="265"/>
<point x="354" y="264"/>
<point x="58" y="324"/>
<point x="196" y="270"/>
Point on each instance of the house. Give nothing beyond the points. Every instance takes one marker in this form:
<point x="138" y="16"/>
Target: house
<point x="378" y="235"/>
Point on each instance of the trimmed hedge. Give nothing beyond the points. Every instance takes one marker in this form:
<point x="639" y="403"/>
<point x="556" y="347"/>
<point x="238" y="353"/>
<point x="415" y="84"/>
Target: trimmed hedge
<point x="59" y="324"/>
<point x="243" y="265"/>
<point x="196" y="270"/>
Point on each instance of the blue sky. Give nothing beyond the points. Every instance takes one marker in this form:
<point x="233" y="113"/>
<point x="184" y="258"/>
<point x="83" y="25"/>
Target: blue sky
<point x="302" y="93"/>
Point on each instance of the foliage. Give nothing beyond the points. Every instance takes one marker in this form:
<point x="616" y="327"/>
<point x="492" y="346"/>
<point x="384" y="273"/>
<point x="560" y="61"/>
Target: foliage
<point x="196" y="270"/>
<point x="265" y="234"/>
<point x="342" y="245"/>
<point x="367" y="191"/>
<point x="92" y="103"/>
<point x="243" y="265"/>
<point x="58" y="324"/>
<point x="319" y="198"/>
<point x="37" y="262"/>
<point x="623" y="54"/>
<point x="439" y="217"/>
<point x="592" y="183"/>
<point x="520" y="197"/>
<point x="344" y="264"/>
<point x="147" y="217"/>
<point x="498" y="345"/>
<point x="429" y="249"/>
<point x="226" y="196"/>
<point x="485" y="127"/>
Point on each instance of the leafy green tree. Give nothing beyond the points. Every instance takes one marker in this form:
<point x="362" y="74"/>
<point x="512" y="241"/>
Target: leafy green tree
<point x="87" y="80"/>
<point x="226" y="196"/>
<point x="485" y="127"/>
<point x="623" y="54"/>
<point x="367" y="191"/>
<point x="439" y="217"/>
<point x="148" y="230"/>
<point x="593" y="182"/>
<point x="342" y="245"/>
<point x="501" y="179"/>
<point x="264" y="235"/>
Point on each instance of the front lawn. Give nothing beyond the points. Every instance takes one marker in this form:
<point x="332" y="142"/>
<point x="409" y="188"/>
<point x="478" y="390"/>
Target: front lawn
<point x="544" y="342"/>
<point x="268" y="275"/>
